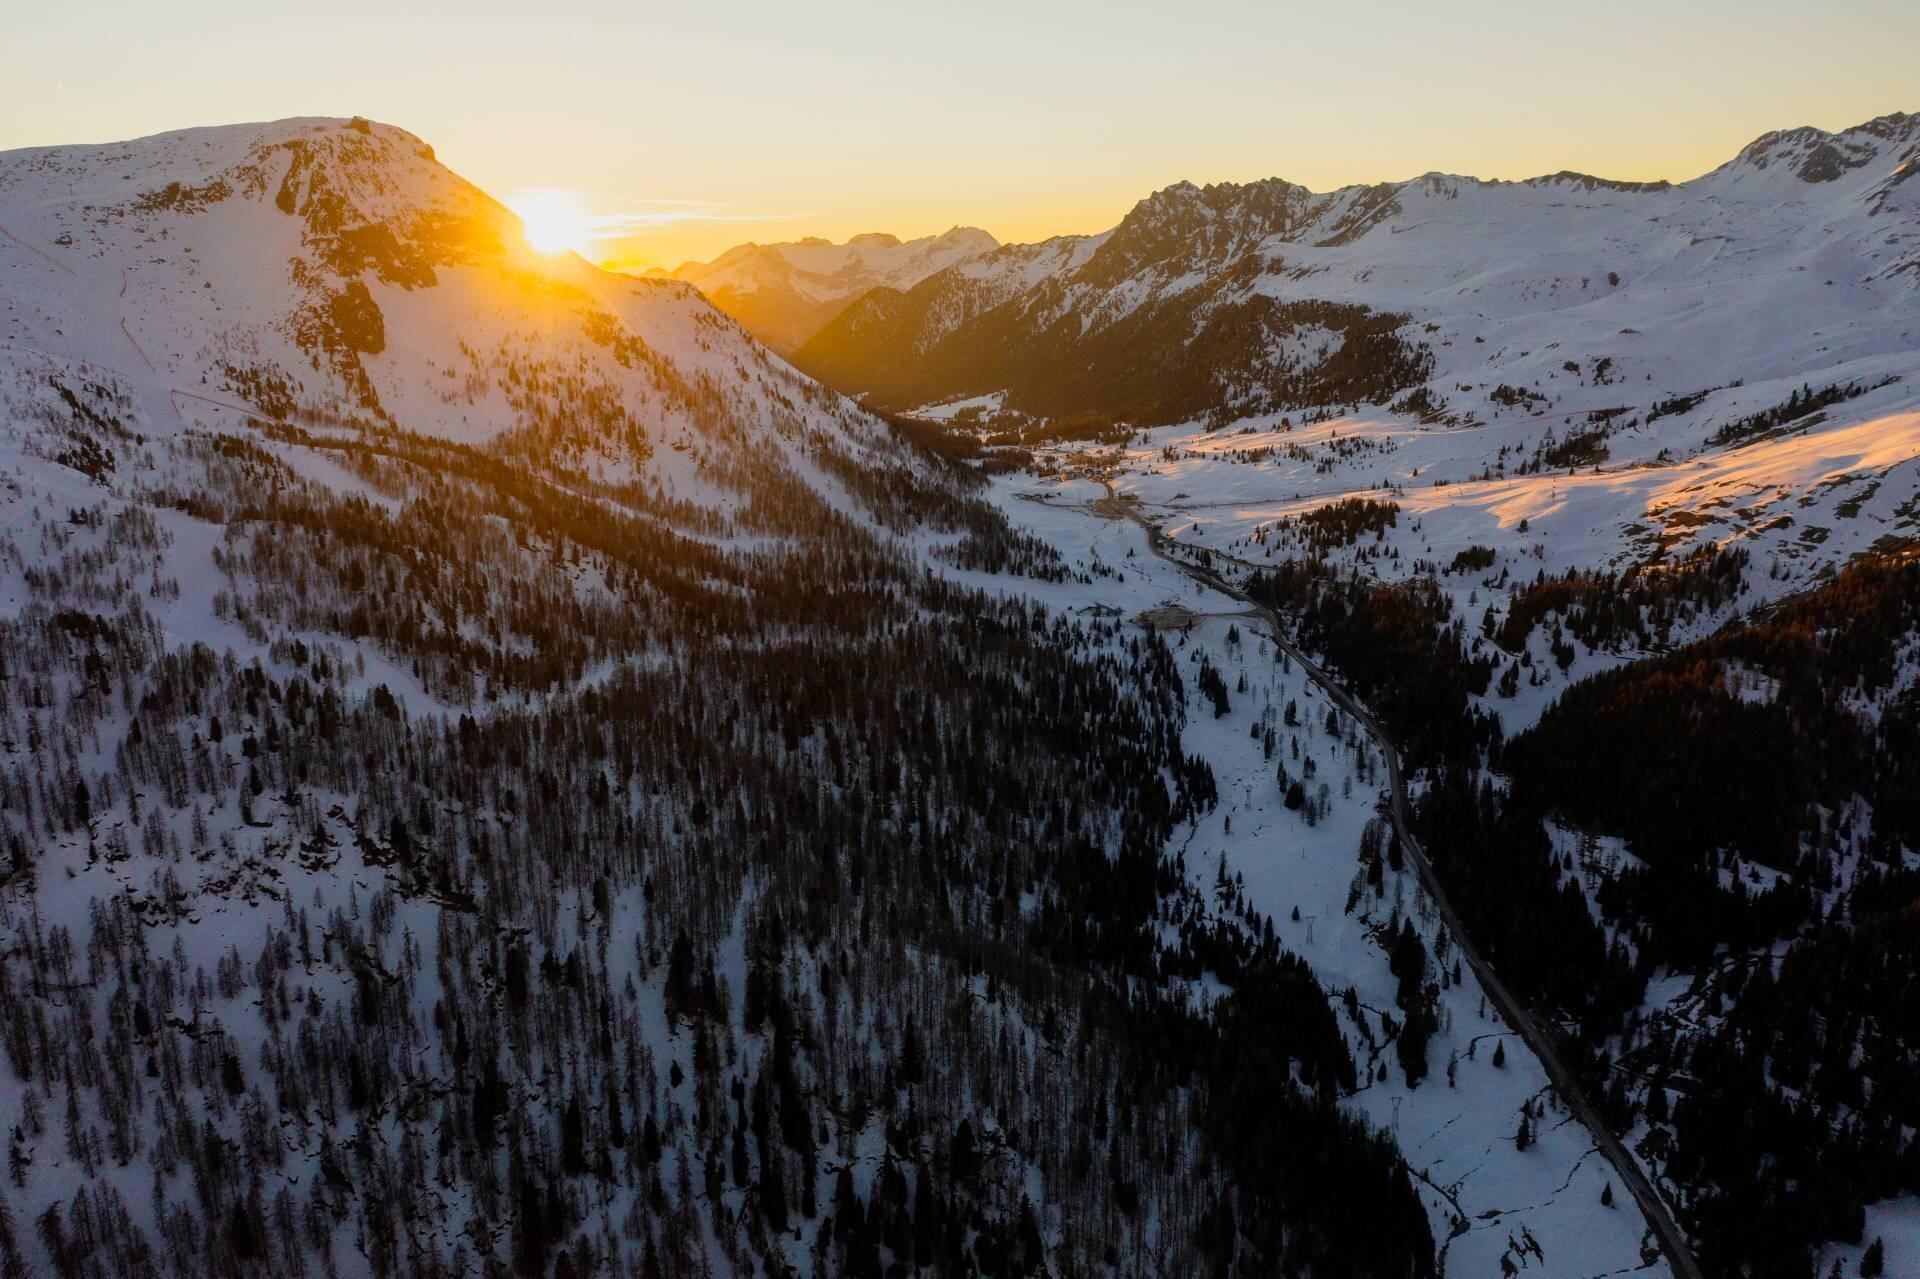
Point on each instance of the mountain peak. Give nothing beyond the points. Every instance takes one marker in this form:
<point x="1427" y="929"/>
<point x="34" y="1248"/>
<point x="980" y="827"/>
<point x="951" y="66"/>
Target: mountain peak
<point x="966" y="237"/>
<point x="1221" y="196"/>
<point x="783" y="293"/>
<point x="1814" y="155"/>
<point x="1588" y="182"/>
<point x="1184" y="224"/>
<point x="319" y="265"/>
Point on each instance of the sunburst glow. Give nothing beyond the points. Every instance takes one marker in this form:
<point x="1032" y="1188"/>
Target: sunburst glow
<point x="553" y="221"/>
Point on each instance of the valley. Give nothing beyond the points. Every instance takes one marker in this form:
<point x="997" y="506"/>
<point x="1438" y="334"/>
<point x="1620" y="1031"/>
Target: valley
<point x="1330" y="734"/>
<point x="1523" y="1206"/>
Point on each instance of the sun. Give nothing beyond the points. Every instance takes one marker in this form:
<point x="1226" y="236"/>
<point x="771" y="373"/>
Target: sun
<point x="552" y="221"/>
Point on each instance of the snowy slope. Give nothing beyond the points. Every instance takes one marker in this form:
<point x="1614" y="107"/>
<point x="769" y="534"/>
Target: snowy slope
<point x="1491" y="1205"/>
<point x="332" y="272"/>
<point x="289" y="409"/>
<point x="785" y="293"/>
<point x="225" y="355"/>
<point x="1795" y="259"/>
<point x="1605" y="373"/>
<point x="1709" y="392"/>
<point x="455" y="794"/>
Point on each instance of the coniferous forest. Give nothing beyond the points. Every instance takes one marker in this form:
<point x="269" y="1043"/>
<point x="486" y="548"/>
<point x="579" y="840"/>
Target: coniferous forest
<point x="1363" y="734"/>
<point x="856" y="868"/>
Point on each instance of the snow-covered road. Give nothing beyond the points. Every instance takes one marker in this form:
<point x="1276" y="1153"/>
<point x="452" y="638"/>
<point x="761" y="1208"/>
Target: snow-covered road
<point x="1660" y="1220"/>
<point x="1542" y="1210"/>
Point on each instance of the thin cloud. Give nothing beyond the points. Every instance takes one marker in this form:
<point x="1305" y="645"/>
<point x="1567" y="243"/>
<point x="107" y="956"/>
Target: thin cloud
<point x="622" y="217"/>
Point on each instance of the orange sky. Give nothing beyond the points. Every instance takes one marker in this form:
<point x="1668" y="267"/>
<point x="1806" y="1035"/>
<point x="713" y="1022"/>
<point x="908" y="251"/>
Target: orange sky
<point x="696" y="128"/>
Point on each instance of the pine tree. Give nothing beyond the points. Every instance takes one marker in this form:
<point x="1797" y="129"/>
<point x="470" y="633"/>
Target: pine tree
<point x="679" y="991"/>
<point x="12" y="1264"/>
<point x="926" y="1217"/>
<point x="573" y="1140"/>
<point x="531" y="1250"/>
<point x="54" y="1236"/>
<point x="742" y="1166"/>
<point x="960" y="1156"/>
<point x="773" y="1190"/>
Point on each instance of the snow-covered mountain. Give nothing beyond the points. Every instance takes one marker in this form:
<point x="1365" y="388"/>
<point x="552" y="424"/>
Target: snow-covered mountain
<point x="1800" y="257"/>
<point x="785" y="293"/>
<point x="1606" y="372"/>
<point x="1606" y="499"/>
<point x="499" y="772"/>
<point x="333" y="273"/>
<point x="1609" y="373"/>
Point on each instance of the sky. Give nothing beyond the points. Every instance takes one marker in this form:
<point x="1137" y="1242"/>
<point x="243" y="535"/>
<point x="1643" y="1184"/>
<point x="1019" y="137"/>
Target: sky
<point x="680" y="130"/>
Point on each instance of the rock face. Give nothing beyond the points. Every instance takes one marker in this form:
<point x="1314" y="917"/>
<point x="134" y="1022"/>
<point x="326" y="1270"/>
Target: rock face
<point x="784" y="293"/>
<point x="1229" y="301"/>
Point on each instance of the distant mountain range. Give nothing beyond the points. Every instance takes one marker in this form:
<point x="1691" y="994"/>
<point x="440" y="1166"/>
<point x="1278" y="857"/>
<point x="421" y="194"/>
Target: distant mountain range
<point x="785" y="293"/>
<point x="1449" y="295"/>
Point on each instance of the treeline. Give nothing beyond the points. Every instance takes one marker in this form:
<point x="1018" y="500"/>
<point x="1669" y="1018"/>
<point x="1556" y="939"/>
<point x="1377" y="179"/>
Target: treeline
<point x="1763" y="806"/>
<point x="1214" y="351"/>
<point x="1638" y="607"/>
<point x="1396" y="646"/>
<point x="1757" y="805"/>
<point x="1340" y="523"/>
<point x="1799" y="1106"/>
<point x="1800" y="403"/>
<point x="1727" y="742"/>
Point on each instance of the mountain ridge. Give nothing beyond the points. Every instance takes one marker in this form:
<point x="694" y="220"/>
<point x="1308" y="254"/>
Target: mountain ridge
<point x="785" y="292"/>
<point x="1228" y="266"/>
<point x="314" y="267"/>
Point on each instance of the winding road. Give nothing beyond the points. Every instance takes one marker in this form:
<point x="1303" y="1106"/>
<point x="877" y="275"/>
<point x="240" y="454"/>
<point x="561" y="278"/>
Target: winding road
<point x="1660" y="1221"/>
